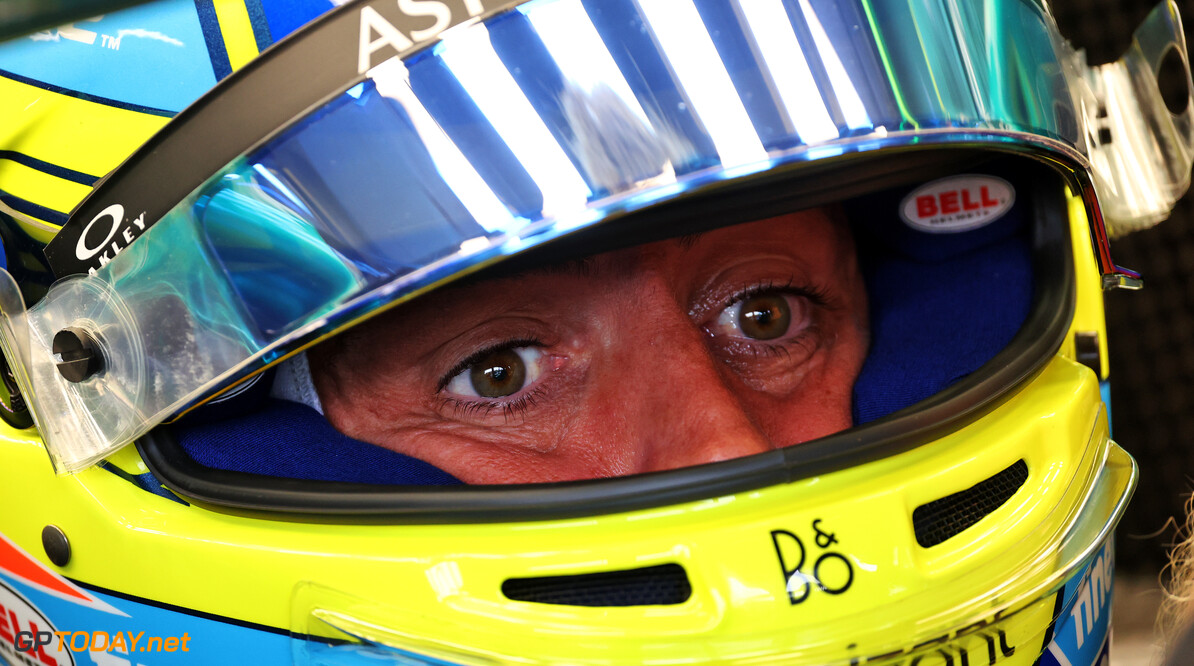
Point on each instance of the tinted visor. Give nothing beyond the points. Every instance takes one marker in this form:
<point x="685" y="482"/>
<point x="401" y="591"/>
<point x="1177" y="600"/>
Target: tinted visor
<point x="509" y="132"/>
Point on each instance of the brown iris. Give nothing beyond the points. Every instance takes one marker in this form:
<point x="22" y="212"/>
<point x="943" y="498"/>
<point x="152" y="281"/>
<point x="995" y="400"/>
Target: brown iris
<point x="498" y="374"/>
<point x="765" y="316"/>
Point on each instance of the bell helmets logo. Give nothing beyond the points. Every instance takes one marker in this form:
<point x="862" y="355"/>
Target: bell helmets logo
<point x="958" y="203"/>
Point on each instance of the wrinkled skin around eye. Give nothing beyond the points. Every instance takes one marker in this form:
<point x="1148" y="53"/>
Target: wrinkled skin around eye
<point x="502" y="372"/>
<point x="681" y="352"/>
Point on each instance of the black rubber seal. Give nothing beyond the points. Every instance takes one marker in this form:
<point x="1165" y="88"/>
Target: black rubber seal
<point x="1030" y="350"/>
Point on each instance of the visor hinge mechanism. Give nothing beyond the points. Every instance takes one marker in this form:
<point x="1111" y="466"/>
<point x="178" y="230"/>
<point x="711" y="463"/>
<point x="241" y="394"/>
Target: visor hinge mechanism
<point x="77" y="355"/>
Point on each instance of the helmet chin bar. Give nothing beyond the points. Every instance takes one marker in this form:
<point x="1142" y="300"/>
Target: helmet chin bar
<point x="1014" y="601"/>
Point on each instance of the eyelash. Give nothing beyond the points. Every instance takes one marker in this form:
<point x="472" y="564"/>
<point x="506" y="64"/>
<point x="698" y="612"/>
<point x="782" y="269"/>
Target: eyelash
<point x="476" y="357"/>
<point x="517" y="406"/>
<point x="815" y="295"/>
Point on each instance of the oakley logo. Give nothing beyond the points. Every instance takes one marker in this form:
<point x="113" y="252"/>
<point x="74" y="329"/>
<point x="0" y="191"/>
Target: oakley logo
<point x="958" y="203"/>
<point x="109" y="221"/>
<point x="433" y="17"/>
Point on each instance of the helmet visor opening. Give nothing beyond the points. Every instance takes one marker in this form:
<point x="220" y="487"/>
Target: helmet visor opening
<point x="784" y="346"/>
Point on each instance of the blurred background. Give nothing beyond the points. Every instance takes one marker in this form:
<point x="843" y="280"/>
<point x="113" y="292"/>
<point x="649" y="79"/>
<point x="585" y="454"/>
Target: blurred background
<point x="1151" y="338"/>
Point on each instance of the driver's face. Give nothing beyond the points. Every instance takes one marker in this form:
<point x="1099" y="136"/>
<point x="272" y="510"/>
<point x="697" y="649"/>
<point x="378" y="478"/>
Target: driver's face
<point x="671" y="354"/>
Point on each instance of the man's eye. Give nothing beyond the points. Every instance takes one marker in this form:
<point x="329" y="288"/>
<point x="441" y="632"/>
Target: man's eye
<point x="498" y="373"/>
<point x="764" y="315"/>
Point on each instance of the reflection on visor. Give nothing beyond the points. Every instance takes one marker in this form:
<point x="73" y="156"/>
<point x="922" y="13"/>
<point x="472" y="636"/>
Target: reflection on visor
<point x="508" y="133"/>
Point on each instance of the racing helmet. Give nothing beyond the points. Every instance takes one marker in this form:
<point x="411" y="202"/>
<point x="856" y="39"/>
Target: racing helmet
<point x="386" y="153"/>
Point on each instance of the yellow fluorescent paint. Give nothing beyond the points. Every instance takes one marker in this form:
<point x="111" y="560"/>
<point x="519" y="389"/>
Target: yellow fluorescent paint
<point x="73" y="133"/>
<point x="68" y="132"/>
<point x="37" y="229"/>
<point x="432" y="587"/>
<point x="39" y="187"/>
<point x="237" y="31"/>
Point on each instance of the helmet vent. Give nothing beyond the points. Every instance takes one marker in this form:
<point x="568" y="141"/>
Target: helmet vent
<point x="663" y="585"/>
<point x="949" y="516"/>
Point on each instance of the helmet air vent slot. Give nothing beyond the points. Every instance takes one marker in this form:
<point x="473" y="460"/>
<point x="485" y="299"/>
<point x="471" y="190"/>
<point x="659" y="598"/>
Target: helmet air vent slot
<point x="662" y="585"/>
<point x="949" y="516"/>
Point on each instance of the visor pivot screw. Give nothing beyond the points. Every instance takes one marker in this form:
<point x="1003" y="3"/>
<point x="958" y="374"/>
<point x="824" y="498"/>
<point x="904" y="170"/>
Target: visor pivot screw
<point x="76" y="354"/>
<point x="57" y="546"/>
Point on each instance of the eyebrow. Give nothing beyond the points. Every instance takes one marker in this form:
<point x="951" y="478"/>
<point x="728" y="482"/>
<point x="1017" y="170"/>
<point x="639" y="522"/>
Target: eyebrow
<point x="579" y="267"/>
<point x="583" y="267"/>
<point x="586" y="266"/>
